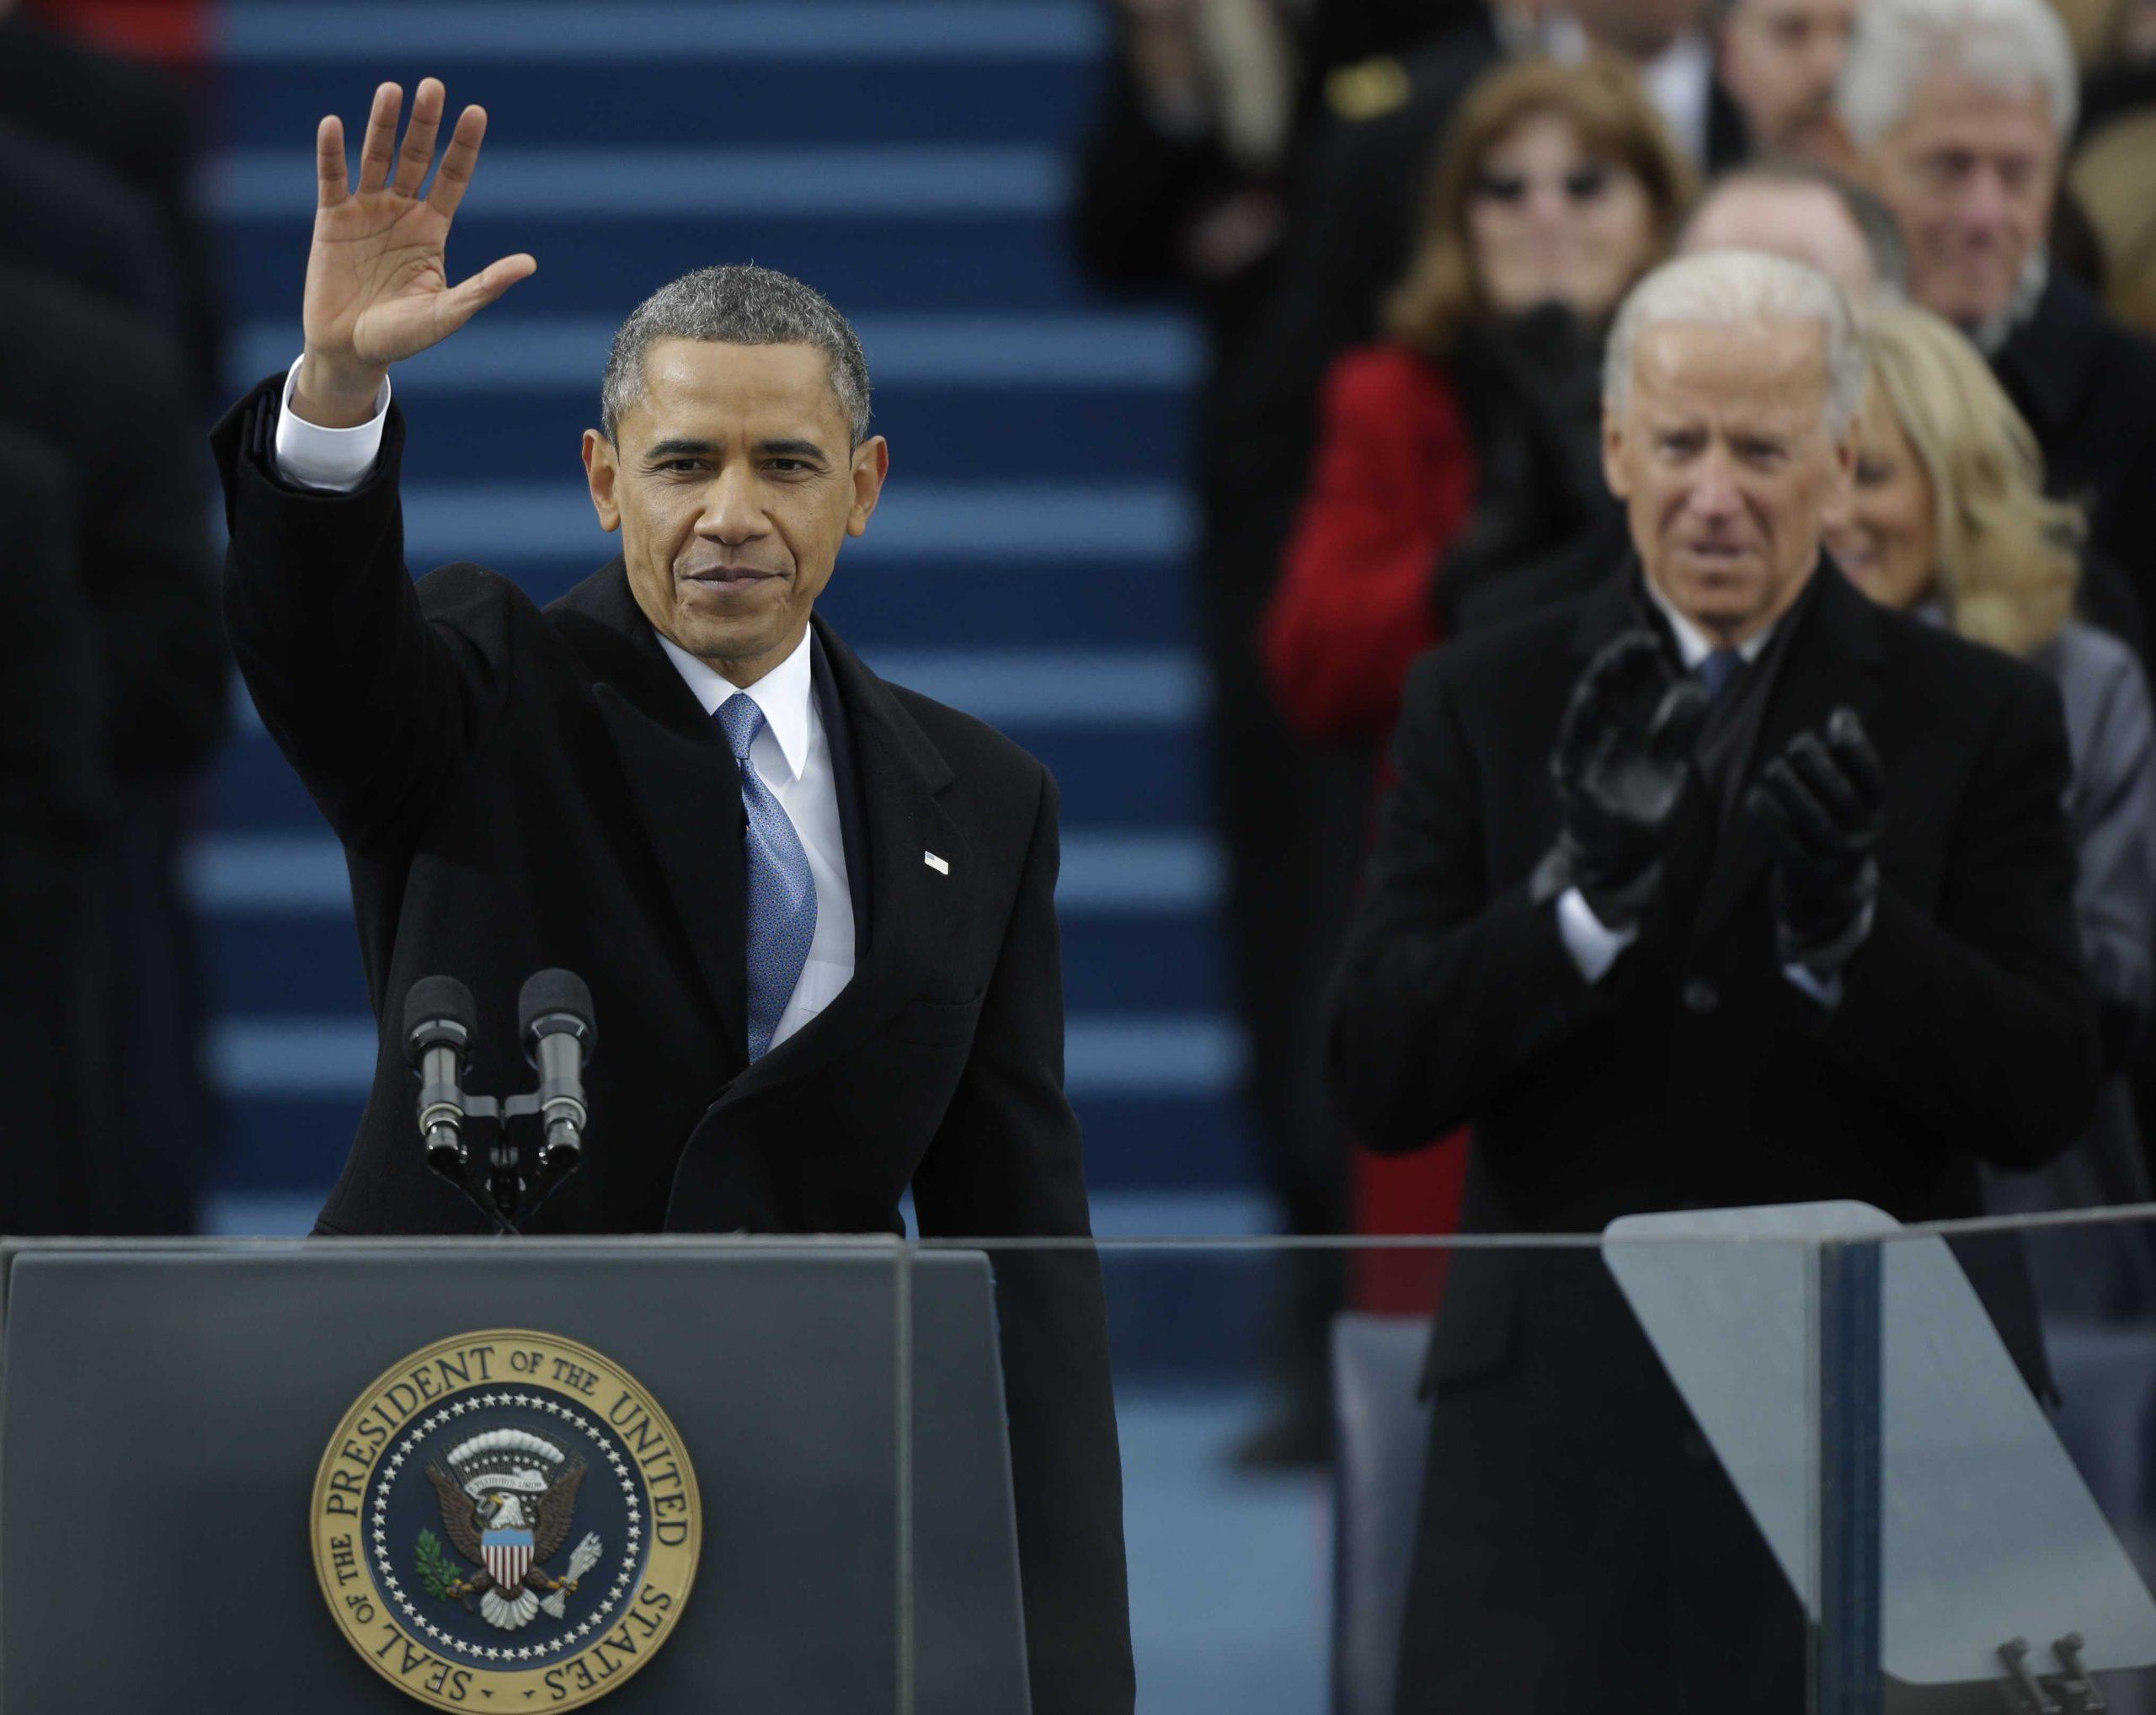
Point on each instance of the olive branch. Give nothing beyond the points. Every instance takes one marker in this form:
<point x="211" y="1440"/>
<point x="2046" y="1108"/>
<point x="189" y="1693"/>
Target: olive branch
<point x="438" y="1572"/>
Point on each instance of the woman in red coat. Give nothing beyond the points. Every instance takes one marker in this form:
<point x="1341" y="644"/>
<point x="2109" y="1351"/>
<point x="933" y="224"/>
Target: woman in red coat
<point x="1458" y="477"/>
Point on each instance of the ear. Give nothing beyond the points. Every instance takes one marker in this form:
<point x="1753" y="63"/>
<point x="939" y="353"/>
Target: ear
<point x="1613" y="471"/>
<point x="600" y="473"/>
<point x="1845" y="455"/>
<point x="872" y="463"/>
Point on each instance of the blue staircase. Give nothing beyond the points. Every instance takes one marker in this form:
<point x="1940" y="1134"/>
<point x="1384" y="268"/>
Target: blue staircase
<point x="911" y="158"/>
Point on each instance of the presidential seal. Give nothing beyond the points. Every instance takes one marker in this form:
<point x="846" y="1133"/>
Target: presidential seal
<point x="506" y="1519"/>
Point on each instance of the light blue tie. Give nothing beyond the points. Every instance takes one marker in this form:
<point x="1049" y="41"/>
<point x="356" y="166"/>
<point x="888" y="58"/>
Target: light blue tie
<point x="1716" y="670"/>
<point x="781" y="892"/>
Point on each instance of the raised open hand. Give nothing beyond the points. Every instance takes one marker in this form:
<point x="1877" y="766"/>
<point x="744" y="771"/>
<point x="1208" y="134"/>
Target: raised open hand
<point x="377" y="288"/>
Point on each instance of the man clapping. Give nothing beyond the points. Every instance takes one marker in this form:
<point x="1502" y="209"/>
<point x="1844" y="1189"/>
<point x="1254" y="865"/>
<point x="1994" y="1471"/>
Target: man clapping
<point x="1720" y="886"/>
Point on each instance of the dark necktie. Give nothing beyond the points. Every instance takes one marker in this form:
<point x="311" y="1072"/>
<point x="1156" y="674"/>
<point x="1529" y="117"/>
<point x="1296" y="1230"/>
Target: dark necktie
<point x="1716" y="670"/>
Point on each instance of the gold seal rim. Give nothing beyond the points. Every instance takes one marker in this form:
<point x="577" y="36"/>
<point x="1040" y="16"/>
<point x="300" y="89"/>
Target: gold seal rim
<point x="683" y="1559"/>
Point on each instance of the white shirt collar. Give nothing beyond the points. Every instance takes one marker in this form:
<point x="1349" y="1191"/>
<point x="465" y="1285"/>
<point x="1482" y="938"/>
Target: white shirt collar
<point x="783" y="694"/>
<point x="1695" y="645"/>
<point x="1988" y="337"/>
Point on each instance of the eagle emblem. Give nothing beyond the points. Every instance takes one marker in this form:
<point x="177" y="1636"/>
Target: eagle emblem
<point x="508" y="1498"/>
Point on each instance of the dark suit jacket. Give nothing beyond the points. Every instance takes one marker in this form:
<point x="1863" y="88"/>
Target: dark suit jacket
<point x="63" y="215"/>
<point x="2087" y="383"/>
<point x="72" y="372"/>
<point x="107" y="396"/>
<point x="56" y="809"/>
<point x="1694" y="1074"/>
<point x="518" y="787"/>
<point x="136" y="121"/>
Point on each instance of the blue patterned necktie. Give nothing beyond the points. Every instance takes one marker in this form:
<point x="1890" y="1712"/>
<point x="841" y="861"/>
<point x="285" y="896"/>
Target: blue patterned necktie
<point x="1716" y="670"/>
<point x="781" y="892"/>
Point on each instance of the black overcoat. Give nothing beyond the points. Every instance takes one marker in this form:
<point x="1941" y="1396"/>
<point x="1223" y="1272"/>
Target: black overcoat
<point x="518" y="787"/>
<point x="1578" y="1551"/>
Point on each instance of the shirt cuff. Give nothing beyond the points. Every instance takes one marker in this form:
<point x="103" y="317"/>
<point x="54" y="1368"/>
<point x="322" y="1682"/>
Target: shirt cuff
<point x="311" y="457"/>
<point x="1827" y="990"/>
<point x="1593" y="947"/>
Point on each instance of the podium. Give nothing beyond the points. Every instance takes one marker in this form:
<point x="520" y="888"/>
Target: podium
<point x="171" y="1478"/>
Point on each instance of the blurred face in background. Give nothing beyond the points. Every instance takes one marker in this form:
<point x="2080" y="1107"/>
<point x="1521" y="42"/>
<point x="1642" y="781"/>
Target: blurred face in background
<point x="1969" y="175"/>
<point x="1881" y="532"/>
<point x="1779" y="61"/>
<point x="1547" y="223"/>
<point x="1806" y="223"/>
<point x="1638" y="29"/>
<point x="1720" y="454"/>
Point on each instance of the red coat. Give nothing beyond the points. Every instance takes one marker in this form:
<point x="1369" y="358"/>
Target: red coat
<point x="1391" y="486"/>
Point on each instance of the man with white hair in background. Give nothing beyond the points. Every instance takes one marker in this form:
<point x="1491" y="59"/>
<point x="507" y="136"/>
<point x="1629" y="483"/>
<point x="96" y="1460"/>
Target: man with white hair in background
<point x="1665" y="881"/>
<point x="1961" y="110"/>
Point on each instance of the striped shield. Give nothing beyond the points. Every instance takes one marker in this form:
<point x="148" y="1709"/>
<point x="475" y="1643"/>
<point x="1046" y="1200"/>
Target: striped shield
<point x="508" y="1557"/>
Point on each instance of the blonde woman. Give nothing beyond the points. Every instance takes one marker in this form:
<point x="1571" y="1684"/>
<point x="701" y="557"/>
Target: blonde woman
<point x="1947" y="517"/>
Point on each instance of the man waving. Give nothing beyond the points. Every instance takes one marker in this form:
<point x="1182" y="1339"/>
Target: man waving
<point x="815" y="910"/>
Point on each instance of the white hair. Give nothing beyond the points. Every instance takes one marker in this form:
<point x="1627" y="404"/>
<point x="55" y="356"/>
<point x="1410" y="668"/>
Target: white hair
<point x="1740" y="288"/>
<point x="2010" y="45"/>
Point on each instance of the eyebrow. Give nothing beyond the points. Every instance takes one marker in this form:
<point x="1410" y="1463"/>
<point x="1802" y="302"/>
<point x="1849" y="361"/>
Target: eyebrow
<point x="687" y="446"/>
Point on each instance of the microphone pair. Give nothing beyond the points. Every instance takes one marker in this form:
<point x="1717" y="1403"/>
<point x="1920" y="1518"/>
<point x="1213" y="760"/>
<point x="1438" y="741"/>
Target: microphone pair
<point x="554" y="1022"/>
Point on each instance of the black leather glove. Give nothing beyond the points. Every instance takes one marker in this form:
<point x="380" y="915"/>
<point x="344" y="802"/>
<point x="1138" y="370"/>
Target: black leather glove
<point x="1622" y="751"/>
<point x="1820" y="805"/>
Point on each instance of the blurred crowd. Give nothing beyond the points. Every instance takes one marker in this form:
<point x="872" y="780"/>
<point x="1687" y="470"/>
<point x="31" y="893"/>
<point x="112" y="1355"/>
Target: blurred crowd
<point x="1406" y="227"/>
<point x="114" y="672"/>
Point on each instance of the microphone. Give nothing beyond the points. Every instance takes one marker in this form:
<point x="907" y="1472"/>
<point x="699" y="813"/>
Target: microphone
<point x="441" y="1019"/>
<point x="554" y="1011"/>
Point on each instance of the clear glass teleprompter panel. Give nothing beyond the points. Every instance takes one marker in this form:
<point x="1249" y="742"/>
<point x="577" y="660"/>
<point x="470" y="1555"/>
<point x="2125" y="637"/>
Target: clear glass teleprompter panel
<point x="2016" y="1442"/>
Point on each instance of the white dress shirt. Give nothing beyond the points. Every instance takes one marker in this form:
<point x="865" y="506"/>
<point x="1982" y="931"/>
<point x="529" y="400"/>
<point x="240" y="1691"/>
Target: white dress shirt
<point x="1594" y="945"/>
<point x="792" y="755"/>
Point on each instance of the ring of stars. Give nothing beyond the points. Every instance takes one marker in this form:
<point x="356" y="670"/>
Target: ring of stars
<point x="571" y="1636"/>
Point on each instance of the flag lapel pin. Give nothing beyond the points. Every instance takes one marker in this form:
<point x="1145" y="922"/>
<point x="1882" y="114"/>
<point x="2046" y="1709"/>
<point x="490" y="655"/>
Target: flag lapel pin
<point x="936" y="863"/>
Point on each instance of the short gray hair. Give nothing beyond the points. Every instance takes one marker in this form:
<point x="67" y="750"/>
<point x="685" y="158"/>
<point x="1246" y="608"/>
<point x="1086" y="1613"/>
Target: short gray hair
<point x="2010" y="45"/>
<point x="1740" y="288"/>
<point x="739" y="304"/>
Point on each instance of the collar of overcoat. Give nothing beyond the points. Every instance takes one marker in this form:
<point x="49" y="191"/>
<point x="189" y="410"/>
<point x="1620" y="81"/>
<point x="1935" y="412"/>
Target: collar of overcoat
<point x="684" y="781"/>
<point x="1833" y="658"/>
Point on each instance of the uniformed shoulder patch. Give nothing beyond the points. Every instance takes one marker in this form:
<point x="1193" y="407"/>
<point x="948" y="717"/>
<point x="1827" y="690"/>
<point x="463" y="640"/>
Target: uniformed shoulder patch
<point x="506" y="1519"/>
<point x="1368" y="89"/>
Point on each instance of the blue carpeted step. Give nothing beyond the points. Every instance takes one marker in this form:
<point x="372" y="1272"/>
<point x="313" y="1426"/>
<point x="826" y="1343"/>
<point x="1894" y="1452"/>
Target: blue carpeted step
<point x="937" y="100"/>
<point x="985" y="262"/>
